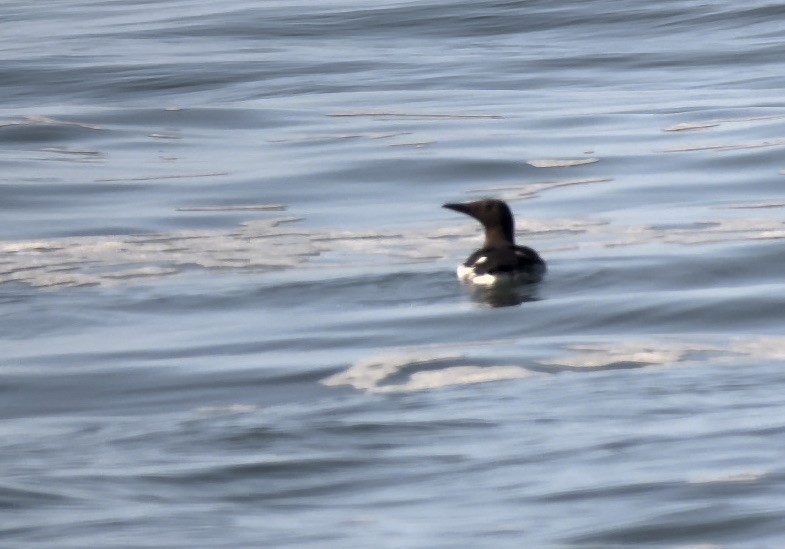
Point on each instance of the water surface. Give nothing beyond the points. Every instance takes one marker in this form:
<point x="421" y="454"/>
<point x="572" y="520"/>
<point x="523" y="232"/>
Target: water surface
<point x="228" y="305"/>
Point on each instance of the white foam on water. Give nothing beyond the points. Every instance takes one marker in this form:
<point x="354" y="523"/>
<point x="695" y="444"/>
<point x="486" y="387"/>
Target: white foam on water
<point x="705" y="124"/>
<point x="227" y="410"/>
<point x="596" y="356"/>
<point x="374" y="373"/>
<point x="281" y="243"/>
<point x="436" y="366"/>
<point x="728" y="477"/>
<point x="667" y="352"/>
<point x="235" y="208"/>
<point x="560" y="162"/>
<point x="368" y="373"/>
<point x="46" y="121"/>
<point x="527" y="191"/>
<point x="458" y="375"/>
<point x="415" y="115"/>
<point x="691" y="126"/>
<point x="725" y="146"/>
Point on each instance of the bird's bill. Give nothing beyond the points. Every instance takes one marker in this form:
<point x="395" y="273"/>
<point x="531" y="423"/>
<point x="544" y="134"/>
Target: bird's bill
<point x="459" y="207"/>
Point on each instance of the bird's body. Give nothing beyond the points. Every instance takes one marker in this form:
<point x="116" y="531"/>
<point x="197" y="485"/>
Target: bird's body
<point x="510" y="264"/>
<point x="500" y="260"/>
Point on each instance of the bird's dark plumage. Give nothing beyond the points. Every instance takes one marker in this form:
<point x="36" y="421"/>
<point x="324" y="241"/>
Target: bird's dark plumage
<point x="499" y="259"/>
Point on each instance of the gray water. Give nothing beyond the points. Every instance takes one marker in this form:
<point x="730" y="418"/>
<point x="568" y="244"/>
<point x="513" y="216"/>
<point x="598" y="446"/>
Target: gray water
<point x="228" y="309"/>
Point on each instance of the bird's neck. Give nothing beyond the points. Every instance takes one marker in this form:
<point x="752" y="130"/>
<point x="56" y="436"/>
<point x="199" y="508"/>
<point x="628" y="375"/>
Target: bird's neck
<point x="498" y="236"/>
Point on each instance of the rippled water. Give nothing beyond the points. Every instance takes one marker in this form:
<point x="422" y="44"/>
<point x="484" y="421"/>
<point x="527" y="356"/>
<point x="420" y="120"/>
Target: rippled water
<point x="228" y="305"/>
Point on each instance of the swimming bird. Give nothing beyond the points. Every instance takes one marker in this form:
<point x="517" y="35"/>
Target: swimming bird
<point x="499" y="260"/>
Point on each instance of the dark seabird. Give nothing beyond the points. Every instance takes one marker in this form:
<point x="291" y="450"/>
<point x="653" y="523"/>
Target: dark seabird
<point x="499" y="260"/>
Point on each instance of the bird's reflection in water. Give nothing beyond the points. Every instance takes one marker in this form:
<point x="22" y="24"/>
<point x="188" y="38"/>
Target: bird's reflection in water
<point x="504" y="295"/>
